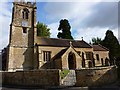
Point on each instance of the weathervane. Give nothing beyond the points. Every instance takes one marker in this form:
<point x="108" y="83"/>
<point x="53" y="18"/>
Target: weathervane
<point x="82" y="38"/>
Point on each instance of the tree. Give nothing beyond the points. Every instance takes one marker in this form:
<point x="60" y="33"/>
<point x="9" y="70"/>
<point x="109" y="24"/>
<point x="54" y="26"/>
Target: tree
<point x="96" y="41"/>
<point x="65" y="28"/>
<point x="43" y="30"/>
<point x="111" y="42"/>
<point x="118" y="58"/>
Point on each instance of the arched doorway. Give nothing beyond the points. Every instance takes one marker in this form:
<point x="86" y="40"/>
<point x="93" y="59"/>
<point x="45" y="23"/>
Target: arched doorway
<point x="71" y="61"/>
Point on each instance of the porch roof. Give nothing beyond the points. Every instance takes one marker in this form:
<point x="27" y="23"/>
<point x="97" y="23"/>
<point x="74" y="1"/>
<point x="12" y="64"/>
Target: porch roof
<point x="60" y="54"/>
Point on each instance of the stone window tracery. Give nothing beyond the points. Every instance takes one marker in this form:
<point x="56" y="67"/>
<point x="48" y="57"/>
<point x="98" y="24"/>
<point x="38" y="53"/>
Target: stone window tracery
<point x="25" y="13"/>
<point x="89" y="55"/>
<point x="47" y="56"/>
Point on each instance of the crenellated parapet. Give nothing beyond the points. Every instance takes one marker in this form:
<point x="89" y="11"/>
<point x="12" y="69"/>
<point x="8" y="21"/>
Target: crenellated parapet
<point x="23" y="2"/>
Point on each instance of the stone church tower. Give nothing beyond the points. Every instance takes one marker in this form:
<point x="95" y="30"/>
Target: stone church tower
<point x="22" y="36"/>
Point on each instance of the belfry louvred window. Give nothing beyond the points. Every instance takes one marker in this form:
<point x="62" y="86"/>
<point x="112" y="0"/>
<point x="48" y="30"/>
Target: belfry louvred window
<point x="25" y="13"/>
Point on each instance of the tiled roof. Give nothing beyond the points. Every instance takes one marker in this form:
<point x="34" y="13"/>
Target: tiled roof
<point x="99" y="48"/>
<point x="60" y="54"/>
<point x="62" y="42"/>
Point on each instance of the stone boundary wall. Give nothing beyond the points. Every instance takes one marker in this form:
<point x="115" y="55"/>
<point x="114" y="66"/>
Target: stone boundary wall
<point x="31" y="78"/>
<point x="96" y="76"/>
<point x="51" y="77"/>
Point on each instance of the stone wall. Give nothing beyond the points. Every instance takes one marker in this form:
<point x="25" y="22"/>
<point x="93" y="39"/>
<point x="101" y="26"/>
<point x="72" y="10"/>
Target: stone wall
<point x="102" y="55"/>
<point x="58" y="63"/>
<point x="56" y="50"/>
<point x="96" y="77"/>
<point x="20" y="58"/>
<point x="31" y="78"/>
<point x="21" y="51"/>
<point x="51" y="77"/>
<point x="77" y="60"/>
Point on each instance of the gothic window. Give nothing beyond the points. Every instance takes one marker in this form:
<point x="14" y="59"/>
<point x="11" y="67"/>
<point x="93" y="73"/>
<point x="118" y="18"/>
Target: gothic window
<point x="89" y="55"/>
<point x="47" y="56"/>
<point x="102" y="61"/>
<point x="83" y="60"/>
<point x="97" y="57"/>
<point x="25" y="13"/>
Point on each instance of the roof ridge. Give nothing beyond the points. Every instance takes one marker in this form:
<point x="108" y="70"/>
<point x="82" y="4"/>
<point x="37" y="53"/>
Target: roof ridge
<point x="97" y="47"/>
<point x="103" y="47"/>
<point x="59" y="38"/>
<point x="62" y="42"/>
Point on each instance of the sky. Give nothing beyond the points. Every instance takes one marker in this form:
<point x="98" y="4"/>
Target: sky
<point x="87" y="18"/>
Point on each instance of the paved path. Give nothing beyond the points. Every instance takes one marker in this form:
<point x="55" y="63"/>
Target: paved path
<point x="70" y="79"/>
<point x="114" y="86"/>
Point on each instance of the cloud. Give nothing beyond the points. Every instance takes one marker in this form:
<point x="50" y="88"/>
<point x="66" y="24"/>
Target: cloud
<point x="69" y="10"/>
<point x="5" y="19"/>
<point x="53" y="29"/>
<point x="87" y="14"/>
<point x="104" y="14"/>
<point x="75" y="0"/>
<point x="88" y="19"/>
<point x="89" y="33"/>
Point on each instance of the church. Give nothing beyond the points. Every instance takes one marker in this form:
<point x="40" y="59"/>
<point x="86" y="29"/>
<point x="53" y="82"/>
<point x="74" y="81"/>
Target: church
<point x="27" y="51"/>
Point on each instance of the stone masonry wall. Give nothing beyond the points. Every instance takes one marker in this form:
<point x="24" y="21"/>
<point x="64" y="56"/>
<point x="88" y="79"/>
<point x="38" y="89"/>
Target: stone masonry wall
<point x="20" y="58"/>
<point x="31" y="78"/>
<point x="96" y="77"/>
<point x="102" y="55"/>
<point x="51" y="77"/>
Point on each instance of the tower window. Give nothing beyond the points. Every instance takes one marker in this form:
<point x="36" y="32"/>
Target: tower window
<point x="25" y="13"/>
<point x="24" y="30"/>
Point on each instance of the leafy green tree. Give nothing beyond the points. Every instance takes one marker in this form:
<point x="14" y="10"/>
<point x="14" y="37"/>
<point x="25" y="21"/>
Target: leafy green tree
<point x="96" y="41"/>
<point x="65" y="28"/>
<point x="43" y="30"/>
<point x="111" y="42"/>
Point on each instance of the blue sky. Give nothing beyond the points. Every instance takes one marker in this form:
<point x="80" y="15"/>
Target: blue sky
<point x="87" y="18"/>
<point x="40" y="12"/>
